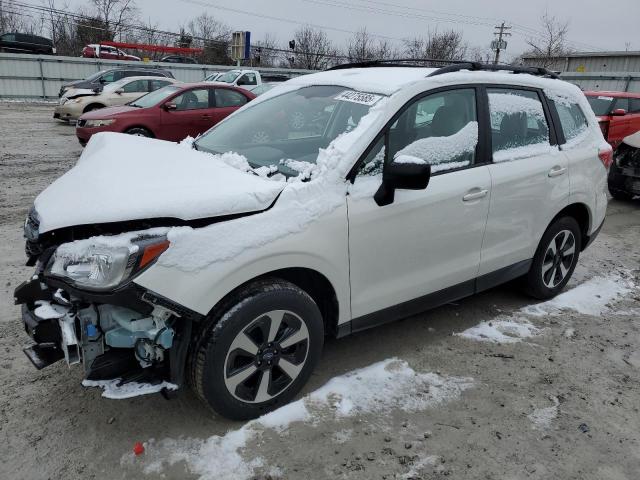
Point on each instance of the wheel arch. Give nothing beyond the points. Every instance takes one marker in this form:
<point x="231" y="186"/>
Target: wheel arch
<point x="97" y="105"/>
<point x="581" y="213"/>
<point x="130" y="127"/>
<point x="314" y="283"/>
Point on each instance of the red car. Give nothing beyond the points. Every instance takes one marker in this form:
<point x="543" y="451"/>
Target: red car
<point x="170" y="113"/>
<point x="618" y="114"/>
<point x="107" y="52"/>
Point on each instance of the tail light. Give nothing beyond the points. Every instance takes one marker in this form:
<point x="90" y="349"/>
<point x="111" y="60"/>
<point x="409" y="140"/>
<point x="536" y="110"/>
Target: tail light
<point x="606" y="156"/>
<point x="604" y="126"/>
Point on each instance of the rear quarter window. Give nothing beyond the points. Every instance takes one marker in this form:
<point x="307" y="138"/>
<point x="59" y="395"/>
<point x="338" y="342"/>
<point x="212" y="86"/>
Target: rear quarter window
<point x="572" y="119"/>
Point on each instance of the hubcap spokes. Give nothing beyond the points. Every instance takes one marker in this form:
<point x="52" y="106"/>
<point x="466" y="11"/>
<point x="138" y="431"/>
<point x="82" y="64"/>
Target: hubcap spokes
<point x="266" y="356"/>
<point x="558" y="258"/>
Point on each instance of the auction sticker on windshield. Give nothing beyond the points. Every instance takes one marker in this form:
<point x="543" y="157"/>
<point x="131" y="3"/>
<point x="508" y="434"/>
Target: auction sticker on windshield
<point x="358" y="97"/>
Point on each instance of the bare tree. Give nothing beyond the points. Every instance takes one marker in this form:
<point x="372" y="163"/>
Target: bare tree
<point x="363" y="47"/>
<point x="211" y="35"/>
<point x="447" y="45"/>
<point x="266" y="52"/>
<point x="116" y="14"/>
<point x="313" y="49"/>
<point x="552" y="42"/>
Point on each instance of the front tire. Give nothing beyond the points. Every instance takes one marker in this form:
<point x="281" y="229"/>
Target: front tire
<point x="139" y="132"/>
<point x="258" y="350"/>
<point x="555" y="259"/>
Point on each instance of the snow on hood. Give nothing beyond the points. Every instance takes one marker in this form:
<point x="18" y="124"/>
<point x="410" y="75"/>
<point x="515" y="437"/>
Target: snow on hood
<point x="123" y="177"/>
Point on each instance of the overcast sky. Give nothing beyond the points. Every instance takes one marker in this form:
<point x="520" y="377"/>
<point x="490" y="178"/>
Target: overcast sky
<point x="592" y="25"/>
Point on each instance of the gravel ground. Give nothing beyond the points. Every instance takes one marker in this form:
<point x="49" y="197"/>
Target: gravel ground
<point x="562" y="404"/>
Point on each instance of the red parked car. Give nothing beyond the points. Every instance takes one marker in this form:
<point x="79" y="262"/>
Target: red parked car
<point x="170" y="113"/>
<point x="107" y="52"/>
<point x="618" y="114"/>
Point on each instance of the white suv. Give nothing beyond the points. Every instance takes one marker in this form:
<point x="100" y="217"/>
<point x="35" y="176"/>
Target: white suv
<point x="224" y="263"/>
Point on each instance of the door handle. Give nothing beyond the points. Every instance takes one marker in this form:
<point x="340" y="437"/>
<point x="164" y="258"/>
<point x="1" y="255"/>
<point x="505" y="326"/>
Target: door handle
<point x="557" y="171"/>
<point x="475" y="194"/>
<point x="205" y="116"/>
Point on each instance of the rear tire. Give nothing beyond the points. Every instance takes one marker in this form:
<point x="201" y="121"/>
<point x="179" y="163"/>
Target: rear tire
<point x="555" y="259"/>
<point x="257" y="350"/>
<point x="139" y="132"/>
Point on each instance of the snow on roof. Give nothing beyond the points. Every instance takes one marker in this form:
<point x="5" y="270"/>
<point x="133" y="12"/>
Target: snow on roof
<point x="383" y="80"/>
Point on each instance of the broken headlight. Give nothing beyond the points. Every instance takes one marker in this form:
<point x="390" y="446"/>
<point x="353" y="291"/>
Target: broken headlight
<point x="102" y="266"/>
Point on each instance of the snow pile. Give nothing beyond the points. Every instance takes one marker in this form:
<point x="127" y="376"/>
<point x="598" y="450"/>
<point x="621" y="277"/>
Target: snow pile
<point x="439" y="151"/>
<point x="375" y="389"/>
<point x="542" y="417"/>
<point x="526" y="151"/>
<point x="508" y="104"/>
<point x="125" y="177"/>
<point x="589" y="298"/>
<point x="501" y="331"/>
<point x="114" y="390"/>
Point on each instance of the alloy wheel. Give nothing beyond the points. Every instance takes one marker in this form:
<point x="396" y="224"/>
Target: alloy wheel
<point x="266" y="356"/>
<point x="558" y="258"/>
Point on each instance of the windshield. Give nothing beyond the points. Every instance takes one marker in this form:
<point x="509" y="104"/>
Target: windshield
<point x="601" y="105"/>
<point x="291" y="126"/>
<point x="153" y="98"/>
<point x="95" y="75"/>
<point x="212" y="77"/>
<point x="113" y="86"/>
<point x="228" y="77"/>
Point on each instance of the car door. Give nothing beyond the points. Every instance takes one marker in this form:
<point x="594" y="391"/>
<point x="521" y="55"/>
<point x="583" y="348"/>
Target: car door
<point x="529" y="177"/>
<point x="188" y="113"/>
<point x="620" y="125"/>
<point x="427" y="241"/>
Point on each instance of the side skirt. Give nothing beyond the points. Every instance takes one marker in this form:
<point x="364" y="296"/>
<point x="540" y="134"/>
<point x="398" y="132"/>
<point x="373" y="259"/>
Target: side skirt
<point x="436" y="299"/>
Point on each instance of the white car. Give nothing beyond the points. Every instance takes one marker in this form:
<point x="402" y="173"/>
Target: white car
<point x="224" y="266"/>
<point x="72" y="105"/>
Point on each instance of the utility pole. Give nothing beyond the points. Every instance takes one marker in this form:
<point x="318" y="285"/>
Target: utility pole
<point x="500" y="44"/>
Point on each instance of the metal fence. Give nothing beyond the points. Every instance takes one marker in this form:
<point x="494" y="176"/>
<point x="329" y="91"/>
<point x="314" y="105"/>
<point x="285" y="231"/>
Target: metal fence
<point x="40" y="76"/>
<point x="617" y="82"/>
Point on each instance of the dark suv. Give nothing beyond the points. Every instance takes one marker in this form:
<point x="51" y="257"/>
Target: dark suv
<point x="14" y="42"/>
<point x="104" y="77"/>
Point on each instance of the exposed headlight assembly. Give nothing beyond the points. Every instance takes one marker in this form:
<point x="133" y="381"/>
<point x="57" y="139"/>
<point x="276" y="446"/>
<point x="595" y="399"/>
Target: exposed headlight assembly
<point x="104" y="266"/>
<point x="99" y="123"/>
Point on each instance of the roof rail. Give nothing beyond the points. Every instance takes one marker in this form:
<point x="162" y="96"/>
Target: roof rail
<point x="477" y="66"/>
<point x="399" y="62"/>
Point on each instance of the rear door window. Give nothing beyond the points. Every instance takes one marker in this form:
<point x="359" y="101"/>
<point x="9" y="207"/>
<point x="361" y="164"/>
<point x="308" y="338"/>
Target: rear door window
<point x="634" y="105"/>
<point x="229" y="98"/>
<point x="519" y="128"/>
<point x="156" y="84"/>
<point x="621" y="103"/>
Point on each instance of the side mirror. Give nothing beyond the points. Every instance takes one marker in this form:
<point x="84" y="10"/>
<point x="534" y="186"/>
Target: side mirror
<point x="170" y="106"/>
<point x="120" y="91"/>
<point x="102" y="80"/>
<point x="619" y="112"/>
<point x="404" y="174"/>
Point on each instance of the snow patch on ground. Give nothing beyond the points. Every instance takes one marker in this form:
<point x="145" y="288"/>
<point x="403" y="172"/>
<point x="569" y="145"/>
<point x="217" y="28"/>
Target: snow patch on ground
<point x="501" y="331"/>
<point x="377" y="388"/>
<point x="542" y="417"/>
<point x="420" y="464"/>
<point x="589" y="298"/>
<point x="113" y="389"/>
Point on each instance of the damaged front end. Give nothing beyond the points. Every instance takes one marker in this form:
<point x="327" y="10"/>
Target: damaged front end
<point x="82" y="306"/>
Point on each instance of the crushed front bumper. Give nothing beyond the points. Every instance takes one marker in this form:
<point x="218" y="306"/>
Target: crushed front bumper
<point x="106" y="333"/>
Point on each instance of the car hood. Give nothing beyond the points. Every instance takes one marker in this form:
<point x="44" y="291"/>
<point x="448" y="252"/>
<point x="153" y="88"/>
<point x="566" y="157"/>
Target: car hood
<point x="109" y="112"/>
<point x="122" y="177"/>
